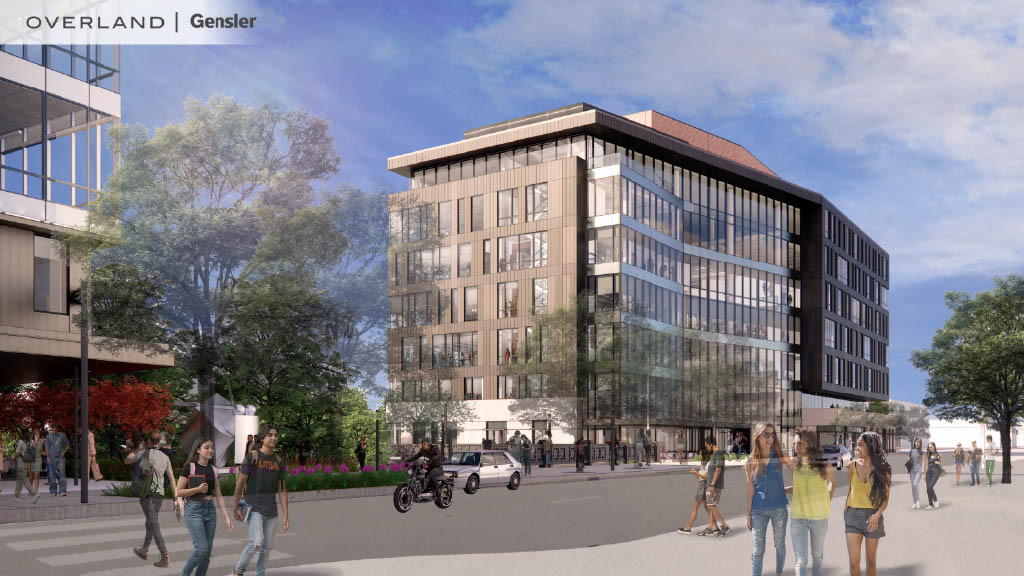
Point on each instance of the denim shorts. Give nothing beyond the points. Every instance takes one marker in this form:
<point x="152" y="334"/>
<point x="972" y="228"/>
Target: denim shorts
<point x="857" y="522"/>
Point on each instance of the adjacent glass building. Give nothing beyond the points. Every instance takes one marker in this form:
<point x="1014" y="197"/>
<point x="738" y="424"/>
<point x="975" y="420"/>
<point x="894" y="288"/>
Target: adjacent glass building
<point x="730" y="295"/>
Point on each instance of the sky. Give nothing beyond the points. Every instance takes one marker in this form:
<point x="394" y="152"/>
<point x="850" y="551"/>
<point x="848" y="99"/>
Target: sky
<point x="909" y="116"/>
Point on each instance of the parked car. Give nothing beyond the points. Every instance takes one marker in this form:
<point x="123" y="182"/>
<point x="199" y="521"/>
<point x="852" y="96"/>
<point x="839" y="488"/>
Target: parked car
<point x="837" y="455"/>
<point x="473" y="469"/>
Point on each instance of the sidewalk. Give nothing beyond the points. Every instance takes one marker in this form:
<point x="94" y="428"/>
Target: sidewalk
<point x="974" y="531"/>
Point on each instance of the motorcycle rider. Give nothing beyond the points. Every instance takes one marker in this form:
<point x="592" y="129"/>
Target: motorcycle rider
<point x="434" y="461"/>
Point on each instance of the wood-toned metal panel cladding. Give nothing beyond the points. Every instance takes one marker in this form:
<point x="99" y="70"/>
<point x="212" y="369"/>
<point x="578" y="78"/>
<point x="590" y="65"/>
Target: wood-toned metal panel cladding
<point x="566" y="188"/>
<point x="17" y="296"/>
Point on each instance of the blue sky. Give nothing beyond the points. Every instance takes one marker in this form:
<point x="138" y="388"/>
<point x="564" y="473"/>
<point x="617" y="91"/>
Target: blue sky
<point x="909" y="117"/>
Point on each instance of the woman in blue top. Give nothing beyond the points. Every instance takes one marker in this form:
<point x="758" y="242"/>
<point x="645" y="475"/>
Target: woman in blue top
<point x="766" y="496"/>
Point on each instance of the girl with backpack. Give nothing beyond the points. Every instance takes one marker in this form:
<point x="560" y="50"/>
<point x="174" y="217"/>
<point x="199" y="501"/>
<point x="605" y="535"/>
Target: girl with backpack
<point x="24" y="458"/>
<point x="200" y="514"/>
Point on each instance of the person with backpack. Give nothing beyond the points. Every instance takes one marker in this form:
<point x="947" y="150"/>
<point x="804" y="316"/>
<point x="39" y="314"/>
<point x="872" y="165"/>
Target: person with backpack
<point x="200" y="514"/>
<point x="262" y="472"/>
<point x="149" y="468"/>
<point x="24" y="458"/>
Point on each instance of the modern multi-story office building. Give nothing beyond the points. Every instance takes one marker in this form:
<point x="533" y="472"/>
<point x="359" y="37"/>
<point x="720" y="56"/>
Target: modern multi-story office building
<point x="745" y="296"/>
<point x="56" y="105"/>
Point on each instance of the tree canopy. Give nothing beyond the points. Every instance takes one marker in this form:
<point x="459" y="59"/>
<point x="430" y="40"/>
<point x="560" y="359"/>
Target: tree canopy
<point x="975" y="365"/>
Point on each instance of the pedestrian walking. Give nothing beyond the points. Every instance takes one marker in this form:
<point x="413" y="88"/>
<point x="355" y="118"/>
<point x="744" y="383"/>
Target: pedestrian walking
<point x="647" y="447"/>
<point x="24" y="459"/>
<point x="990" y="458"/>
<point x="361" y="451"/>
<point x="915" y="465"/>
<point x="580" y="458"/>
<point x="304" y="452"/>
<point x="526" y="449"/>
<point x="766" y="496"/>
<point x="514" y="447"/>
<point x="250" y="444"/>
<point x="94" y="466"/>
<point x="640" y="449"/>
<point x="200" y="513"/>
<point x="148" y="484"/>
<point x="975" y="456"/>
<point x="958" y="462"/>
<point x="701" y="498"/>
<point x="716" y="484"/>
<point x="932" y="473"/>
<point x="57" y="447"/>
<point x="870" y="479"/>
<point x="37" y="466"/>
<point x="813" y="485"/>
<point x="263" y="474"/>
<point x="587" y="456"/>
<point x="549" y="449"/>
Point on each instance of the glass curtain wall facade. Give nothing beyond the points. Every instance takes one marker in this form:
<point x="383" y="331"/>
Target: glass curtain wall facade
<point x="698" y="286"/>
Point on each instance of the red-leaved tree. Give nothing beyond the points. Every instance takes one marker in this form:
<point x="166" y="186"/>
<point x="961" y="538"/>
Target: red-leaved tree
<point x="127" y="403"/>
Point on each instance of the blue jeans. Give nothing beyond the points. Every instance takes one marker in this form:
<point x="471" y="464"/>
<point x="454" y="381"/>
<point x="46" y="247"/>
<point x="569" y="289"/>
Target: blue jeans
<point x="55" y="466"/>
<point x="759" y="523"/>
<point x="915" y="479"/>
<point x="526" y="462"/>
<point x="976" y="472"/>
<point x="548" y="458"/>
<point x="261" y="541"/>
<point x="802" y="530"/>
<point x="201" y="521"/>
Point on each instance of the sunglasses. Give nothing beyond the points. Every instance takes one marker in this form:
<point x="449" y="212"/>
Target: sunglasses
<point x="768" y="434"/>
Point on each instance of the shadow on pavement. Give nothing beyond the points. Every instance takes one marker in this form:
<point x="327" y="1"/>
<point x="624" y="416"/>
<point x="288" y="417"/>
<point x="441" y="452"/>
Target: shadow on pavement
<point x="908" y="570"/>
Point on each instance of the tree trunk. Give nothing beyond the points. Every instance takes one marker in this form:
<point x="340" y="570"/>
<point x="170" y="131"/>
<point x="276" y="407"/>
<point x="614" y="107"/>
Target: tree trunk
<point x="1004" y="439"/>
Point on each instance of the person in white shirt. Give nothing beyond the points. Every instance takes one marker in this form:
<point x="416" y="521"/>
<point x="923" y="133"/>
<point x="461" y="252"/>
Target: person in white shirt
<point x="990" y="458"/>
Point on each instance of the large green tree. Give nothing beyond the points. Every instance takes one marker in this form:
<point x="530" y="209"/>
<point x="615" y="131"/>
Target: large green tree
<point x="198" y="200"/>
<point x="975" y="365"/>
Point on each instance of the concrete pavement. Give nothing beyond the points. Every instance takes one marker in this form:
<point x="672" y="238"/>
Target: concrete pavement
<point x="974" y="531"/>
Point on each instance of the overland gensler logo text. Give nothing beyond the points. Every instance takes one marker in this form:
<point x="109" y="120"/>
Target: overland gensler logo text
<point x="198" y="21"/>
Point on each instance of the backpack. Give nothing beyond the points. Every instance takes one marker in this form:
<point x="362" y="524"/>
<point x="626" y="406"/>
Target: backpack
<point x="144" y="480"/>
<point x="29" y="455"/>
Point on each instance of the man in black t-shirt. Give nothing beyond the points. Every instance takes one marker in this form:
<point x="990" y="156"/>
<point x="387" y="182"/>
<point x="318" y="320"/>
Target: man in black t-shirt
<point x="261" y="478"/>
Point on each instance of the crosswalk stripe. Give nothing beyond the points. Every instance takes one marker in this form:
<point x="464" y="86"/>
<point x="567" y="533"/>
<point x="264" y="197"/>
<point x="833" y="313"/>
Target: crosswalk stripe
<point x="215" y="562"/>
<point x="100" y="538"/>
<point x="58" y="526"/>
<point x="125" y="552"/>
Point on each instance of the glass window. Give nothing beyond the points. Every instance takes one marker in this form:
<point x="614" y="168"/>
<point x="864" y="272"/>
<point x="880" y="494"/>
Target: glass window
<point x="536" y="202"/>
<point x="508" y="299"/>
<point x="470" y="306"/>
<point x="506" y="388"/>
<point x="533" y="155"/>
<point x="508" y="206"/>
<point x="495" y="431"/>
<point x="455" y="171"/>
<point x="540" y="295"/>
<point x="50" y="277"/>
<point x="445" y="389"/>
<point x="462" y="215"/>
<point x="444" y="218"/>
<point x="602" y="245"/>
<point x="465" y="259"/>
<point x="519" y="158"/>
<point x="409" y="353"/>
<point x="477" y="208"/>
<point x="473" y="388"/>
<point x="492" y="163"/>
<point x="487" y="256"/>
<point x="508" y="345"/>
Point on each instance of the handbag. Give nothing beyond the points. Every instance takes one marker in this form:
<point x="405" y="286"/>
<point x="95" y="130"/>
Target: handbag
<point x="910" y="464"/>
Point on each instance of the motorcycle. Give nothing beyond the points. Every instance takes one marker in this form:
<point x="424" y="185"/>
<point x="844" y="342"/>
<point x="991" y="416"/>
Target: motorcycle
<point x="419" y="484"/>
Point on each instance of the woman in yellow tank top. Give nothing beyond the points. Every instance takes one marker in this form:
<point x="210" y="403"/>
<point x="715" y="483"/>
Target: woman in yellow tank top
<point x="870" y="479"/>
<point x="813" y="485"/>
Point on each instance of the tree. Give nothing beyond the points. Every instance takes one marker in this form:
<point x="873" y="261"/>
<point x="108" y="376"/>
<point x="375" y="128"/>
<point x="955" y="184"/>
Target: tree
<point x="193" y="202"/>
<point x="558" y="348"/>
<point x="975" y="365"/>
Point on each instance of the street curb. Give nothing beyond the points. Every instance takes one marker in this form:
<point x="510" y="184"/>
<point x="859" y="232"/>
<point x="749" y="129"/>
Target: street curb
<point x="128" y="506"/>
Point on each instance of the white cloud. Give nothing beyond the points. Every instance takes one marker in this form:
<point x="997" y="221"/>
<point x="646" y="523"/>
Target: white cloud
<point x="940" y="79"/>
